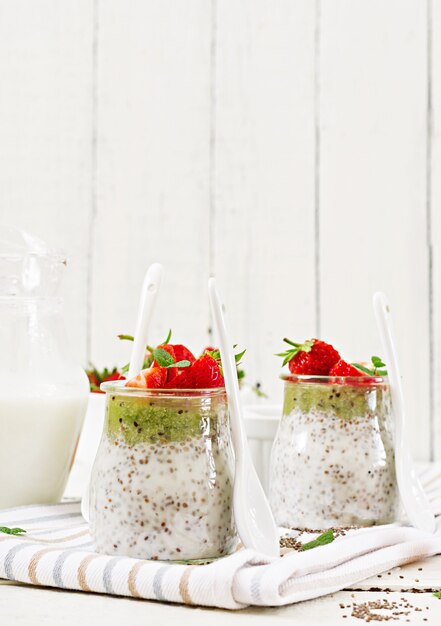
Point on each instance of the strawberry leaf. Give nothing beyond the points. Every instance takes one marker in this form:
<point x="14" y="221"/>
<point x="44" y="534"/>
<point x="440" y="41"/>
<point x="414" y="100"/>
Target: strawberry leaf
<point x="168" y="338"/>
<point x="298" y="347"/>
<point x="126" y="337"/>
<point x="239" y="356"/>
<point x="363" y="369"/>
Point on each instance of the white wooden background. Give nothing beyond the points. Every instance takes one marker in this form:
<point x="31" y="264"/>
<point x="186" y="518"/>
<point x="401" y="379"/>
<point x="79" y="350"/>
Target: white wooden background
<point x="292" y="148"/>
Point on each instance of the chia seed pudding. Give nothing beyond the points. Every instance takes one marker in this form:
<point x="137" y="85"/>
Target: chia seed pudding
<point x="332" y="461"/>
<point x="162" y="482"/>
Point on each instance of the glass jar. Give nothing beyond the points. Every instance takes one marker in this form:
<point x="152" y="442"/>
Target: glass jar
<point x="43" y="399"/>
<point x="162" y="483"/>
<point x="332" y="461"/>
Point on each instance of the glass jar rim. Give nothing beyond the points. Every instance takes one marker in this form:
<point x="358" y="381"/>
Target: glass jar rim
<point x="118" y="387"/>
<point x="335" y="380"/>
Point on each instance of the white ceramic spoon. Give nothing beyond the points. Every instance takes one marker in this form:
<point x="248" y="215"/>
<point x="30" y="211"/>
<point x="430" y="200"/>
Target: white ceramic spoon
<point x="414" y="499"/>
<point x="252" y="514"/>
<point x="147" y="301"/>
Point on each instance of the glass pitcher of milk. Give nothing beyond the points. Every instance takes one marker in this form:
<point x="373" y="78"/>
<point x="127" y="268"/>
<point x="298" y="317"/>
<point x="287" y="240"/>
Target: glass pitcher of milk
<point x="43" y="392"/>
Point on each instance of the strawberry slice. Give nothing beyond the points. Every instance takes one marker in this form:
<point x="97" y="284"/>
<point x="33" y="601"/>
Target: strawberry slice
<point x="182" y="353"/>
<point x="151" y="378"/>
<point x="341" y="368"/>
<point x="171" y="371"/>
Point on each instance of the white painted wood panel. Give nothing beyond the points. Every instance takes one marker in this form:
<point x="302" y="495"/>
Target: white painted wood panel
<point x="46" y="72"/>
<point x="434" y="157"/>
<point x="152" y="197"/>
<point x="372" y="173"/>
<point x="263" y="177"/>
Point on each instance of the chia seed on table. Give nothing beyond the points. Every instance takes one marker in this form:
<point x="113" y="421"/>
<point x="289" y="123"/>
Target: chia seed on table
<point x="394" y="610"/>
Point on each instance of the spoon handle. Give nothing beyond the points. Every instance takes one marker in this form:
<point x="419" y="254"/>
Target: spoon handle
<point x="238" y="435"/>
<point x="147" y="301"/>
<point x="412" y="494"/>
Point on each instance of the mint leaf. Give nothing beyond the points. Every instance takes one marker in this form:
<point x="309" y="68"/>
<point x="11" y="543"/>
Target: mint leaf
<point x="11" y="531"/>
<point x="184" y="363"/>
<point x="162" y="357"/>
<point x="321" y="540"/>
<point x="437" y="594"/>
<point x="377" y="362"/>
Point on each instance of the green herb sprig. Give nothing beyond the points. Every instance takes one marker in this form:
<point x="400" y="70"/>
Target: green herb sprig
<point x="321" y="540"/>
<point x="164" y="359"/>
<point x="11" y="531"/>
<point x="375" y="370"/>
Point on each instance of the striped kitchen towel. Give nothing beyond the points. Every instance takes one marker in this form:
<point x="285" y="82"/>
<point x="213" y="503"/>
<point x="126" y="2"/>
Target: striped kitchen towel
<point x="57" y="551"/>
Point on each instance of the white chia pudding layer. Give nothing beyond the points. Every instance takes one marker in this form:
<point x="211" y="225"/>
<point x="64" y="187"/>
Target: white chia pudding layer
<point x="163" y="494"/>
<point x="332" y="462"/>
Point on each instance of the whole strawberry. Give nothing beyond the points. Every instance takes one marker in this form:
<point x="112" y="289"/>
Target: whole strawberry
<point x="311" y="358"/>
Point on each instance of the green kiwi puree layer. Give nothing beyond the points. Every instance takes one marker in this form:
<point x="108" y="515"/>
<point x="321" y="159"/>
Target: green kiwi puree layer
<point x="140" y="419"/>
<point x="343" y="401"/>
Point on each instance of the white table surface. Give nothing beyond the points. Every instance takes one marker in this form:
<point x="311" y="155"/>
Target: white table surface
<point x="31" y="606"/>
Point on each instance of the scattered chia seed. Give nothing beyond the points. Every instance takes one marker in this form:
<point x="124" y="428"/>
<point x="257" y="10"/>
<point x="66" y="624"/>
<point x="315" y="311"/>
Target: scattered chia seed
<point x="394" y="610"/>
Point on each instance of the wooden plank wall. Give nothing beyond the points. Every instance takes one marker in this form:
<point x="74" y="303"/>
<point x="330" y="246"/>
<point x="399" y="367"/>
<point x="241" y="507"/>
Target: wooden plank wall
<point x="291" y="148"/>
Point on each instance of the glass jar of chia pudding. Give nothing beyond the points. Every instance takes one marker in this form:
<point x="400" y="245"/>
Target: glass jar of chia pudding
<point x="332" y="461"/>
<point x="162" y="483"/>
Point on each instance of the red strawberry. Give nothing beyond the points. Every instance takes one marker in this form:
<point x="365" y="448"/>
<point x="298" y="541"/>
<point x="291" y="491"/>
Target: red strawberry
<point x="168" y="348"/>
<point x="313" y="357"/>
<point x="182" y="380"/>
<point x="96" y="378"/>
<point x="204" y="373"/>
<point x="209" y="349"/>
<point x="151" y="378"/>
<point x="114" y="376"/>
<point x="344" y="369"/>
<point x="182" y="353"/>
<point x="171" y="372"/>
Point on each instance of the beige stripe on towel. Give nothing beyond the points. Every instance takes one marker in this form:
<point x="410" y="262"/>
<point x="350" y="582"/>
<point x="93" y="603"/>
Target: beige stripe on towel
<point x="33" y="564"/>
<point x="183" y="585"/>
<point x="82" y="571"/>
<point x="132" y="579"/>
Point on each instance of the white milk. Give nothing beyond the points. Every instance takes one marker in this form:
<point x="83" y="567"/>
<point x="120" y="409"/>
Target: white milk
<point x="39" y="431"/>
